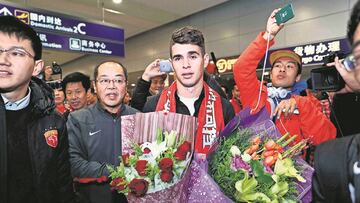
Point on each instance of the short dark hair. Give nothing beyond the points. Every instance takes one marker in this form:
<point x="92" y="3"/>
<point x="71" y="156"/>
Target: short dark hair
<point x="77" y="77"/>
<point x="353" y="22"/>
<point x="188" y="35"/>
<point x="14" y="27"/>
<point x="96" y="70"/>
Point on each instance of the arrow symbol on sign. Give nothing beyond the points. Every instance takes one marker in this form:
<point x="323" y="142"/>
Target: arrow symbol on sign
<point x="5" y="12"/>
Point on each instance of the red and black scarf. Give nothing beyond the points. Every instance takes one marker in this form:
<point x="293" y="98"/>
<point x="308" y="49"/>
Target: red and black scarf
<point x="210" y="116"/>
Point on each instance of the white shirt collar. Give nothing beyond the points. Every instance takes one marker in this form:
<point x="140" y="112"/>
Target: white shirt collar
<point x="17" y="105"/>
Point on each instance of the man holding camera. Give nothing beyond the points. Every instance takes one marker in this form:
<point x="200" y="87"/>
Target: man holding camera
<point x="151" y="83"/>
<point x="291" y="113"/>
<point x="340" y="182"/>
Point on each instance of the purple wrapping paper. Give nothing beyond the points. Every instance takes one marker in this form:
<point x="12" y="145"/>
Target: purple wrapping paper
<point x="196" y="184"/>
<point x="261" y="124"/>
<point x="142" y="127"/>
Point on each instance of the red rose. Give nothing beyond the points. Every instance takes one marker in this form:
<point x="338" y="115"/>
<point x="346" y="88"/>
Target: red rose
<point x="179" y="155"/>
<point x="166" y="164"/>
<point x="118" y="184"/>
<point x="138" y="187"/>
<point x="140" y="167"/>
<point x="184" y="147"/>
<point x="125" y="159"/>
<point x="147" y="150"/>
<point x="166" y="176"/>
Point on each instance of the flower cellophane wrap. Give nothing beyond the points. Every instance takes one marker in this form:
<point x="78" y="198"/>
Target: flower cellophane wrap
<point x="260" y="124"/>
<point x="141" y="128"/>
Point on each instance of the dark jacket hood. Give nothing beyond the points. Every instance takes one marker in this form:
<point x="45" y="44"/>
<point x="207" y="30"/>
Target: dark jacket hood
<point x="42" y="97"/>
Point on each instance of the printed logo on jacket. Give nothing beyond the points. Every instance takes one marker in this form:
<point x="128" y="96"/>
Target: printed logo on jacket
<point x="51" y="137"/>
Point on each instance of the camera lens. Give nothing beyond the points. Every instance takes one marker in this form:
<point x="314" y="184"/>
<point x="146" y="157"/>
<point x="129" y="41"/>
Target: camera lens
<point x="329" y="80"/>
<point x="56" y="68"/>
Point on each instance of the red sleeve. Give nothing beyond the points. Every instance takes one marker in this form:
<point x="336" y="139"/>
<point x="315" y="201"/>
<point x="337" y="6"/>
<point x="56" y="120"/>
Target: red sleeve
<point x="245" y="73"/>
<point x="313" y="123"/>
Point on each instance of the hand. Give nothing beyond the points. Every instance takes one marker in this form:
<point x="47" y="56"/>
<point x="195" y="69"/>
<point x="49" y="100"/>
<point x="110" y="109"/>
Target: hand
<point x="351" y="78"/>
<point x="152" y="70"/>
<point x="271" y="27"/>
<point x="287" y="107"/>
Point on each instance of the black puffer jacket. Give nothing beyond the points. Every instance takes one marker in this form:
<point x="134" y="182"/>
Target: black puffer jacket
<point x="50" y="165"/>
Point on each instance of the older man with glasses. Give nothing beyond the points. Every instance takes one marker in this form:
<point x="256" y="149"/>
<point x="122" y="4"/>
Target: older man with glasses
<point x="95" y="134"/>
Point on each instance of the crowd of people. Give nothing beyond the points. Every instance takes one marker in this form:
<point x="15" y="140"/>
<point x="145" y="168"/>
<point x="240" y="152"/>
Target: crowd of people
<point x="57" y="137"/>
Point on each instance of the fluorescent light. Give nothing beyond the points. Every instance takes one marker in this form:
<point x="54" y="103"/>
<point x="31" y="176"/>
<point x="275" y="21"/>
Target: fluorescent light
<point x="117" y="1"/>
<point x="114" y="11"/>
<point x="133" y="85"/>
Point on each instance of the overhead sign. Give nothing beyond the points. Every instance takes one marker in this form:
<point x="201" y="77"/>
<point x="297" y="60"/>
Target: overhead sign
<point x="315" y="53"/>
<point x="55" y="41"/>
<point x="91" y="37"/>
<point x="311" y="54"/>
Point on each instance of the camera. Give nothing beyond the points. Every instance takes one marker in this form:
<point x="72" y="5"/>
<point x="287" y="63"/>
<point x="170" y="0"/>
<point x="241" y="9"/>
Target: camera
<point x="55" y="84"/>
<point x="165" y="66"/>
<point x="56" y="69"/>
<point x="327" y="78"/>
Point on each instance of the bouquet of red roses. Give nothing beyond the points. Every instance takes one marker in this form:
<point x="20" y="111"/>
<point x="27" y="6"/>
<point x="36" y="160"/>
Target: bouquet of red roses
<point x="156" y="153"/>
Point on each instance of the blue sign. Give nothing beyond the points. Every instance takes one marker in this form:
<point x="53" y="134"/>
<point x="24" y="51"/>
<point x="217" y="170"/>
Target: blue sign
<point x="315" y="53"/>
<point x="92" y="37"/>
<point x="55" y="41"/>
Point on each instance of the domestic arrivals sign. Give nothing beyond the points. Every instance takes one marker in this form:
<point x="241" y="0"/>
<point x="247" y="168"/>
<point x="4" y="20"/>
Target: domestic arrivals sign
<point x="62" y="32"/>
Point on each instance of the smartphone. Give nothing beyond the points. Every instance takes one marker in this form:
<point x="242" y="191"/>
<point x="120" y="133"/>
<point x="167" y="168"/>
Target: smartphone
<point x="165" y="66"/>
<point x="349" y="62"/>
<point x="285" y="14"/>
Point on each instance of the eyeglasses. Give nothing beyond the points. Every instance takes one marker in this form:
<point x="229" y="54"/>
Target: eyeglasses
<point x="16" y="53"/>
<point x="115" y="81"/>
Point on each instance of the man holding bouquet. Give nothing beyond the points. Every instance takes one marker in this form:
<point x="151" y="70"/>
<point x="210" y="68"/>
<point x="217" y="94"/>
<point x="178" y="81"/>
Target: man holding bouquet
<point x="190" y="94"/>
<point x="95" y="134"/>
<point x="292" y="113"/>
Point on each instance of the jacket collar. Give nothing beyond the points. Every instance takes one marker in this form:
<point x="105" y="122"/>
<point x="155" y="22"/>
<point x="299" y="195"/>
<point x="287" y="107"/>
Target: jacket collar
<point x="42" y="99"/>
<point x="101" y="108"/>
<point x="19" y="104"/>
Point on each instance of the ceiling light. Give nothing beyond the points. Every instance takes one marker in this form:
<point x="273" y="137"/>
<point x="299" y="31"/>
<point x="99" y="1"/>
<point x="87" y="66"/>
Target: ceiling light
<point x="133" y="85"/>
<point x="117" y="1"/>
<point x="113" y="11"/>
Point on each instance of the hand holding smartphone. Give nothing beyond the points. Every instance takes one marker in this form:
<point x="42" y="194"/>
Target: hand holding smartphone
<point x="285" y="14"/>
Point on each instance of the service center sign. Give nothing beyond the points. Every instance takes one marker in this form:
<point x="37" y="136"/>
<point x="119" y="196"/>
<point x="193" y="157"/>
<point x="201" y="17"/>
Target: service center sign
<point x="62" y="32"/>
<point x="315" y="53"/>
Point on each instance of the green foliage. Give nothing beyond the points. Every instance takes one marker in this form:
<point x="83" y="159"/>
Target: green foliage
<point x="219" y="165"/>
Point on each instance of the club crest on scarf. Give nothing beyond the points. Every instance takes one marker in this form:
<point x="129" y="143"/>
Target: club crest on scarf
<point x="51" y="137"/>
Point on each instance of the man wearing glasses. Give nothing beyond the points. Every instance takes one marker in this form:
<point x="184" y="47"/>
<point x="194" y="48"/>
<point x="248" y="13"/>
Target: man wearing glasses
<point x="34" y="158"/>
<point x="94" y="134"/>
<point x="340" y="182"/>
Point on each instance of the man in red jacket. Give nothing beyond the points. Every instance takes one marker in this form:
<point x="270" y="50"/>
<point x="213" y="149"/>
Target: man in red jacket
<point x="291" y="113"/>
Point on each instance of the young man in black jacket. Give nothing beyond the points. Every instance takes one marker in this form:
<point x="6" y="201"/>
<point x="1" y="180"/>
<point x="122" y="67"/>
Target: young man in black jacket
<point x="34" y="159"/>
<point x="190" y="94"/>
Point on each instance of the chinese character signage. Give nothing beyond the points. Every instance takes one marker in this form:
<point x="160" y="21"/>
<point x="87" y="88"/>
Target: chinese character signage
<point x="68" y="33"/>
<point x="315" y="53"/>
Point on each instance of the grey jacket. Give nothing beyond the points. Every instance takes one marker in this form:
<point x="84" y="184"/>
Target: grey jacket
<point x="95" y="141"/>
